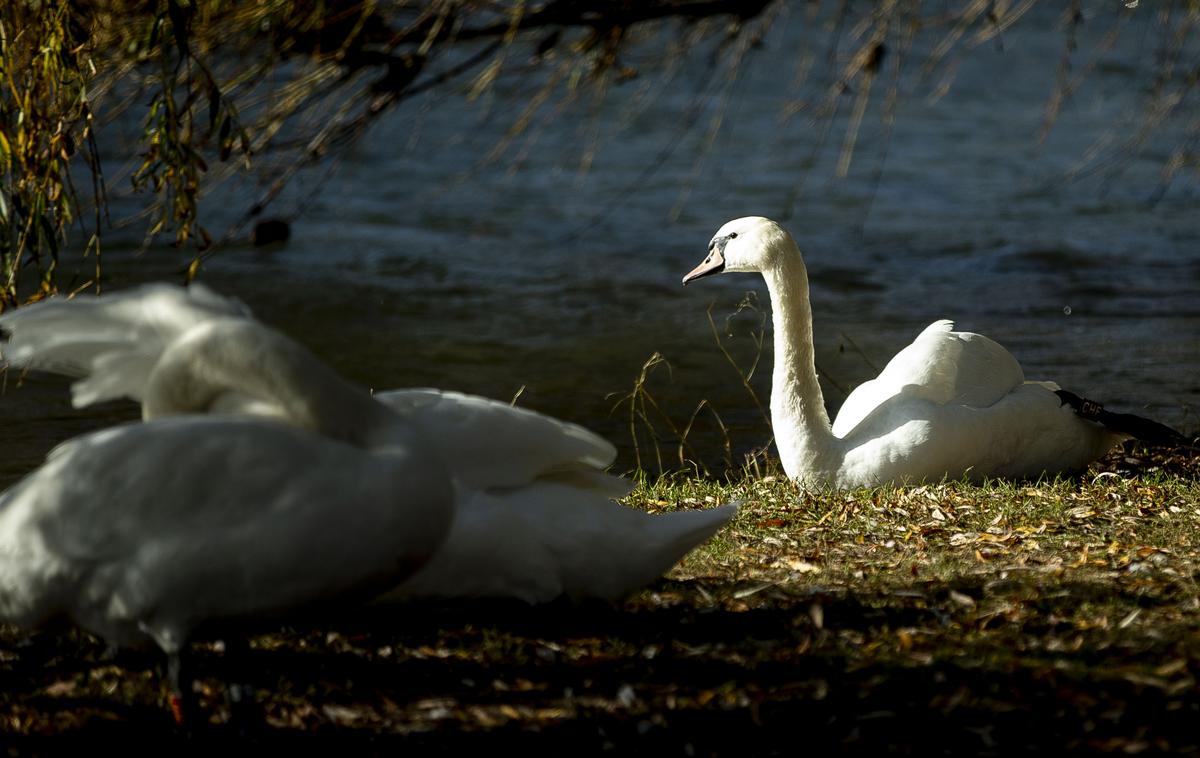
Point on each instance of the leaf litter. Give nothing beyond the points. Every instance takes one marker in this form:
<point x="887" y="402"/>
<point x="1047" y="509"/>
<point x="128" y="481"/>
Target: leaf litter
<point x="945" y="618"/>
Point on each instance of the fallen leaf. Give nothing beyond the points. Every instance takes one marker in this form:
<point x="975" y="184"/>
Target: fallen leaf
<point x="59" y="688"/>
<point x="1172" y="668"/>
<point x="804" y="567"/>
<point x="817" y="614"/>
<point x="962" y="599"/>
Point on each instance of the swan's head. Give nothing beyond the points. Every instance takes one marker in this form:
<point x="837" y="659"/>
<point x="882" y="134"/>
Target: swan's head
<point x="748" y="244"/>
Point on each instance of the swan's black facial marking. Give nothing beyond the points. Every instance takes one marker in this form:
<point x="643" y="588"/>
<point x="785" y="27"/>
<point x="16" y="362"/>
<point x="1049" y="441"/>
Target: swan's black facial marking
<point x="714" y="263"/>
<point x="718" y="243"/>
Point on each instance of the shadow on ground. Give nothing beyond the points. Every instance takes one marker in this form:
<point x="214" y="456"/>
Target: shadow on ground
<point x="692" y="668"/>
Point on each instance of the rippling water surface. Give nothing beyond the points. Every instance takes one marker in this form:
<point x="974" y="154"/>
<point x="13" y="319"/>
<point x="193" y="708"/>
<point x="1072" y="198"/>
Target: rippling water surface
<point x="416" y="262"/>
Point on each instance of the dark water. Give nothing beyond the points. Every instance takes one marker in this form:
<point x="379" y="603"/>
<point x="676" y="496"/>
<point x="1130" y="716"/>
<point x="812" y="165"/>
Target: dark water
<point x="417" y="262"/>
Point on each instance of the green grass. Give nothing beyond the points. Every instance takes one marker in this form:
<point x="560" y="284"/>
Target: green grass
<point x="1100" y="526"/>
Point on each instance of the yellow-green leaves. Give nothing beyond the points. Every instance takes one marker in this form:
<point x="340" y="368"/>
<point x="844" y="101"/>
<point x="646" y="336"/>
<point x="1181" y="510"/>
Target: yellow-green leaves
<point x="44" y="74"/>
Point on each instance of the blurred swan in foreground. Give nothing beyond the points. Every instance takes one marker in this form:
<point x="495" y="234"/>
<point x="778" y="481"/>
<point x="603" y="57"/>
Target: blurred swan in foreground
<point x="951" y="404"/>
<point x="534" y="511"/>
<point x="187" y="525"/>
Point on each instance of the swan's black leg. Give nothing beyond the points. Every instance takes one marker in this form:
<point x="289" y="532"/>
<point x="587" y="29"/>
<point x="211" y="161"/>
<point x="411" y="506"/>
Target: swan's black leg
<point x="239" y="694"/>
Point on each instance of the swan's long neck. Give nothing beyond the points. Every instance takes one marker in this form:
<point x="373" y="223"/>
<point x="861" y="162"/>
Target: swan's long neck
<point x="807" y="447"/>
<point x="238" y="365"/>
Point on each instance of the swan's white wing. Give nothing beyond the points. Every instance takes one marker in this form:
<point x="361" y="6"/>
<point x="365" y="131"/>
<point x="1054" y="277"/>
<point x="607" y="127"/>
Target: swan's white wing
<point x="536" y="517"/>
<point x="548" y="539"/>
<point x="1024" y="434"/>
<point x="150" y="529"/>
<point x="113" y="341"/>
<point x="492" y="444"/>
<point x="942" y="366"/>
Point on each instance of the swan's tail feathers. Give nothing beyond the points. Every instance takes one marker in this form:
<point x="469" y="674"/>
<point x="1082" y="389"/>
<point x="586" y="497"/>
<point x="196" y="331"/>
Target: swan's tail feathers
<point x="550" y="540"/>
<point x="1123" y="423"/>
<point x="112" y="342"/>
<point x="669" y="537"/>
<point x="693" y="528"/>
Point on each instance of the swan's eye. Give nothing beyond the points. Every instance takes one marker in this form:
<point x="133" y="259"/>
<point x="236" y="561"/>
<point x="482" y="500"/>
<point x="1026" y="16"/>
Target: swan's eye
<point x="733" y="235"/>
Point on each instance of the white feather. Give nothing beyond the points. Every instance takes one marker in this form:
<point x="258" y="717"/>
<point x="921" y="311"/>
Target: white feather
<point x="942" y="366"/>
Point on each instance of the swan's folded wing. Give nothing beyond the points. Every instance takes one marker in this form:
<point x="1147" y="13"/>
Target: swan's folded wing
<point x="942" y="366"/>
<point x="112" y="342"/>
<point x="547" y="540"/>
<point x="492" y="444"/>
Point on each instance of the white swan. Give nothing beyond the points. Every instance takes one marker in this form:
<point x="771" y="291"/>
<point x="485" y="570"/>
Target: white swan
<point x="534" y="516"/>
<point x="951" y="404"/>
<point x="149" y="532"/>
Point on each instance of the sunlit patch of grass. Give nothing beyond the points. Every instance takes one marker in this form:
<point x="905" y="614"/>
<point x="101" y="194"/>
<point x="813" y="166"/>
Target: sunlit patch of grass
<point x="1102" y="525"/>
<point x="1103" y="567"/>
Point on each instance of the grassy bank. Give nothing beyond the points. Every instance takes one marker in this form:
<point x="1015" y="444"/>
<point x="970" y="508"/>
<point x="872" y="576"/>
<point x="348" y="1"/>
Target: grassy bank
<point x="945" y="618"/>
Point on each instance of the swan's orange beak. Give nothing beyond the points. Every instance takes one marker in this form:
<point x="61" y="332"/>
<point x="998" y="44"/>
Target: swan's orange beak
<point x="713" y="264"/>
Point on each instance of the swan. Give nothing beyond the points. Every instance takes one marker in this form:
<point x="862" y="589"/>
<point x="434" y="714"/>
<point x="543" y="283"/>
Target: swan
<point x="951" y="404"/>
<point x="155" y="532"/>
<point x="534" y="517"/>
